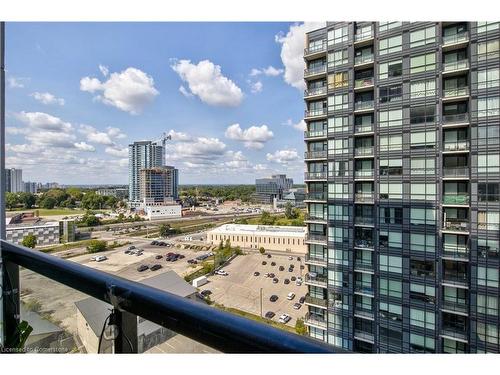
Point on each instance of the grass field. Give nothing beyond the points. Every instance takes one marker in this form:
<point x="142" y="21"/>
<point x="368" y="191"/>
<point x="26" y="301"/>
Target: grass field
<point x="54" y="211"/>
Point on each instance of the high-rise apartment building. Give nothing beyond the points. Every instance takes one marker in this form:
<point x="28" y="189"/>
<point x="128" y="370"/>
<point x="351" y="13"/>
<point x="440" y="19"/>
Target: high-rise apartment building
<point x="14" y="180"/>
<point x="403" y="173"/>
<point x="158" y="184"/>
<point x="141" y="154"/>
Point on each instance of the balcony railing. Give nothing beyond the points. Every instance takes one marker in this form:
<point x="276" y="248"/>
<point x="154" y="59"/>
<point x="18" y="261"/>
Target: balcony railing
<point x="316" y="260"/>
<point x="456" y="119"/>
<point x="363" y="36"/>
<point x="315" y="175"/>
<point x="455" y="38"/>
<point x="363" y="265"/>
<point x="315" y="91"/>
<point x="363" y="244"/>
<point x="363" y="335"/>
<point x="311" y="237"/>
<point x="315" y="320"/>
<point x="456" y="306"/>
<point x="364" y="313"/>
<point x="218" y="329"/>
<point x="454" y="332"/>
<point x="363" y="82"/>
<point x="316" y="301"/>
<point x="358" y="60"/>
<point x="364" y="173"/>
<point x="455" y="65"/>
<point x="455" y="278"/>
<point x="315" y="133"/>
<point x="315" y="154"/>
<point x="456" y="225"/>
<point x="364" y="105"/>
<point x="315" y="112"/>
<point x="364" y="197"/>
<point x="316" y="280"/>
<point x="310" y="217"/>
<point x="462" y="145"/>
<point x="456" y="92"/>
<point x="362" y="151"/>
<point x="315" y="49"/>
<point x="363" y="289"/>
<point x="363" y="128"/>
<point x="363" y="220"/>
<point x="456" y="199"/>
<point x="316" y="196"/>
<point x="455" y="251"/>
<point x="456" y="172"/>
<point x="315" y="70"/>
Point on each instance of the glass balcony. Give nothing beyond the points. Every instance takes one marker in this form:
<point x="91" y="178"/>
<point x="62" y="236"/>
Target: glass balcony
<point x="456" y="92"/>
<point x="363" y="151"/>
<point x="318" y="238"/>
<point x="314" y="71"/>
<point x="315" y="175"/>
<point x="363" y="82"/>
<point x="363" y="105"/>
<point x="321" y="302"/>
<point x="310" y="217"/>
<point x="457" y="306"/>
<point x="316" y="280"/>
<point x="363" y="36"/>
<point x="462" y="145"/>
<point x="364" y="173"/>
<point x="455" y="38"/>
<point x="363" y="288"/>
<point x="315" y="133"/>
<point x="364" y="197"/>
<point x="459" y="172"/>
<point x="364" y="59"/>
<point x="455" y="278"/>
<point x="459" y="118"/>
<point x="459" y="199"/>
<point x="456" y="225"/>
<point x="316" y="196"/>
<point x="363" y="336"/>
<point x="363" y="313"/>
<point x="315" y="112"/>
<point x="363" y="243"/>
<point x="315" y="320"/>
<point x="315" y="91"/>
<point x="364" y="220"/>
<point x="455" y="65"/>
<point x="363" y="265"/>
<point x="316" y="260"/>
<point x="315" y="154"/>
<point x="315" y="49"/>
<point x="452" y="251"/>
<point x="363" y="128"/>
<point x="454" y="333"/>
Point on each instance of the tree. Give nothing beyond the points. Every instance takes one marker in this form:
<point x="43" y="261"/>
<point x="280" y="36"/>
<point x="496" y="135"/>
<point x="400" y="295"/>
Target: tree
<point x="96" y="246"/>
<point x="164" y="230"/>
<point x="111" y="201"/>
<point x="27" y="199"/>
<point x="267" y="219"/>
<point x="48" y="203"/>
<point x="11" y="200"/>
<point x="300" y="327"/>
<point x="262" y="250"/>
<point x="29" y="241"/>
<point x="289" y="210"/>
<point x="91" y="220"/>
<point x="92" y="201"/>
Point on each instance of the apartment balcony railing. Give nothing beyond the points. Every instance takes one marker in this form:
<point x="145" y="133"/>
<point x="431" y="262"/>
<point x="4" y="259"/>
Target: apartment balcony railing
<point x="315" y="260"/>
<point x="315" y="175"/>
<point x="462" y="145"/>
<point x="455" y="65"/>
<point x="363" y="265"/>
<point x="316" y="280"/>
<point x="316" y="196"/>
<point x="363" y="336"/>
<point x="315" y="49"/>
<point x="461" y="199"/>
<point x="364" y="173"/>
<point x="363" y="151"/>
<point x="456" y="119"/>
<point x="363" y="313"/>
<point x="455" y="333"/>
<point x="363" y="244"/>
<point x="456" y="225"/>
<point x="363" y="128"/>
<point x="218" y="329"/>
<point x="455" y="252"/>
<point x="364" y="197"/>
<point x="316" y="301"/>
<point x="314" y="71"/>
<point x="363" y="36"/>
<point x="315" y="133"/>
<point x="364" y="105"/>
<point x="363" y="289"/>
<point x="321" y="238"/>
<point x="315" y="91"/>
<point x="316" y="154"/>
<point x="315" y="320"/>
<point x="456" y="92"/>
<point x="365" y="59"/>
<point x="363" y="82"/>
<point x="455" y="38"/>
<point x="460" y="307"/>
<point x="363" y="220"/>
<point x="456" y="172"/>
<point x="315" y="112"/>
<point x="455" y="278"/>
<point x="310" y="217"/>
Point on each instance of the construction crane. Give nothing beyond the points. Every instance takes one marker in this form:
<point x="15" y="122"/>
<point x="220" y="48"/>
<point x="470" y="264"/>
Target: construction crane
<point x="163" y="139"/>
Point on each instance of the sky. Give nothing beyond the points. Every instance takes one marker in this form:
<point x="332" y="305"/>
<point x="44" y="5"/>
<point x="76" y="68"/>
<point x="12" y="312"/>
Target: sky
<point x="229" y="94"/>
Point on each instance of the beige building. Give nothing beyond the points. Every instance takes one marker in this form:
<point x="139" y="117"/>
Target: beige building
<point x="270" y="237"/>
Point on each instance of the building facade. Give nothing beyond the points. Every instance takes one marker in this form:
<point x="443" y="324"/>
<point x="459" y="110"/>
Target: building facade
<point x="269" y="188"/>
<point x="158" y="184"/>
<point x="402" y="170"/>
<point x="30" y="187"/>
<point x="142" y="154"/>
<point x="46" y="233"/>
<point x="270" y="237"/>
<point x="14" y="180"/>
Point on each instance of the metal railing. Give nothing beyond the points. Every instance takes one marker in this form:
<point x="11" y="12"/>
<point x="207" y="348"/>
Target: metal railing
<point x="221" y="330"/>
<point x="367" y="104"/>
<point x="315" y="133"/>
<point x="315" y="91"/>
<point x="315" y="154"/>
<point x="315" y="112"/>
<point x="363" y="59"/>
<point x="315" y="49"/>
<point x="316" y="196"/>
<point x="455" y="38"/>
<point x="456" y="92"/>
<point x="313" y="71"/>
<point x="315" y="175"/>
<point x="455" y="65"/>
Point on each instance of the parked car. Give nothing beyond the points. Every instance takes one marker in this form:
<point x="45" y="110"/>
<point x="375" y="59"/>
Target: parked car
<point x="138" y="253"/>
<point x="269" y="315"/>
<point x="221" y="272"/>
<point x="293" y="278"/>
<point x="290" y="258"/>
<point x="292" y="266"/>
<point x="264" y="262"/>
<point x="300" y="278"/>
<point x="273" y="264"/>
<point x="127" y="251"/>
<point x="154" y="242"/>
<point x="256" y="273"/>
<point x="290" y="270"/>
<point x="282" y="268"/>
<point x="155" y="267"/>
<point x="284" y="318"/>
<point x="290" y="296"/>
<point x="269" y="255"/>
<point x="302" y="267"/>
<point x="131" y="247"/>
<point x="298" y="259"/>
<point x="142" y="268"/>
<point x="181" y="256"/>
<point x="101" y="258"/>
<point x="267" y="274"/>
<point x="302" y="299"/>
<point x="297" y="306"/>
<point x="286" y="281"/>
<point x="192" y="261"/>
<point x="206" y="292"/>
<point x="275" y="280"/>
<point x="159" y="257"/>
<point x="298" y="283"/>
<point x="273" y="298"/>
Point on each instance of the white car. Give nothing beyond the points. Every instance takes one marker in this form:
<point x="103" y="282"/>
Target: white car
<point x="221" y="272"/>
<point x="290" y="258"/>
<point x="290" y="296"/>
<point x="100" y="258"/>
<point x="298" y="282"/>
<point x="284" y="318"/>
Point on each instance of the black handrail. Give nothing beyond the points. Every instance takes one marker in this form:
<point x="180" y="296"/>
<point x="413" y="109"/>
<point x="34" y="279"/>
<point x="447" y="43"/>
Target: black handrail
<point x="218" y="329"/>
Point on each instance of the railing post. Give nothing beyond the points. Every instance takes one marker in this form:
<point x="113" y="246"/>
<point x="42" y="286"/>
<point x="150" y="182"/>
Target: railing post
<point x="126" y="342"/>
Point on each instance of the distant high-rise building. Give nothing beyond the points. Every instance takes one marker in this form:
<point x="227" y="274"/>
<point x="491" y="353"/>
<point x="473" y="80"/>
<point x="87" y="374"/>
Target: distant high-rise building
<point x="158" y="184"/>
<point x="403" y="175"/>
<point x="14" y="180"/>
<point x="141" y="154"/>
<point x="266" y="189"/>
<point x="31" y="187"/>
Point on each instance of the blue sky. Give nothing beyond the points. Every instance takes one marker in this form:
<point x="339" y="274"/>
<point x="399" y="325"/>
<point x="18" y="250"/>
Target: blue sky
<point x="230" y="94"/>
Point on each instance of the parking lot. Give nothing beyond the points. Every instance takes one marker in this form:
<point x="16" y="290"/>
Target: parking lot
<point x="241" y="289"/>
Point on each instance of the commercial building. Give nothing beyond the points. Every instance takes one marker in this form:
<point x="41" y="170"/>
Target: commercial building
<point x="270" y="237"/>
<point x="270" y="188"/>
<point x="141" y="154"/>
<point x="163" y="211"/>
<point x="158" y="184"/>
<point x="91" y="314"/>
<point x="117" y="192"/>
<point x="403" y="173"/>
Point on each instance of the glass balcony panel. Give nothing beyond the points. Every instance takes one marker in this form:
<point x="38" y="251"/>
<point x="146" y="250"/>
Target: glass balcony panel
<point x="451" y="93"/>
<point x="315" y="154"/>
<point x="315" y="91"/>
<point x="460" y="145"/>
<point x="363" y="82"/>
<point x="456" y="199"/>
<point x="315" y="133"/>
<point x="363" y="105"/>
<point x="455" y="38"/>
<point x="364" y="59"/>
<point x="455" y="65"/>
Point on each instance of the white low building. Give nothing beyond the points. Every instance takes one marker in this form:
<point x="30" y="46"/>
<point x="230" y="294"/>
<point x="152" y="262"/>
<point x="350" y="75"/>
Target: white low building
<point x="157" y="212"/>
<point x="270" y="237"/>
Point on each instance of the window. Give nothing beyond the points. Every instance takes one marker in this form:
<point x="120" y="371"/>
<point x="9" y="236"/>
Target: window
<point x="338" y="80"/>
<point x="391" y="118"/>
<point x="487" y="276"/>
<point x="336" y="36"/>
<point x="390" y="69"/>
<point x="423" y="216"/>
<point x="386" y="26"/>
<point x="423" y="37"/>
<point x="488" y="192"/>
<point x="338" y="58"/>
<point x="488" y="106"/>
<point x="423" y="191"/>
<point x="425" y="293"/>
<point x="390" y="45"/>
<point x="338" y="213"/>
<point x="391" y="167"/>
<point x="338" y="124"/>
<point x="422" y="166"/>
<point x="338" y="102"/>
<point x="338" y="146"/>
<point x="421" y="268"/>
<point x="489" y="220"/>
<point x="419" y="89"/>
<point x="391" y="239"/>
<point x="389" y="263"/>
<point x="423" y="63"/>
<point x="391" y="311"/>
<point x="391" y="142"/>
<point x="488" y="50"/>
<point x="391" y="215"/>
<point x="488" y="247"/>
<point x="423" y="139"/>
<point x="316" y="45"/>
<point x="391" y="288"/>
<point x="487" y="304"/>
<point x="422" y="318"/>
<point x="390" y="93"/>
<point x="422" y="343"/>
<point x="485" y="26"/>
<point x="488" y="78"/>
<point x="391" y="191"/>
<point x="423" y="242"/>
<point x="338" y="235"/>
<point x="338" y="191"/>
<point x="422" y="114"/>
<point x="489" y="333"/>
<point x="489" y="163"/>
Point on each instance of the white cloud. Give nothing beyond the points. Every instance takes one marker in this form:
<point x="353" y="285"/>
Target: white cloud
<point x="185" y="92"/>
<point x="292" y="52"/>
<point x="104" y="138"/>
<point x="254" y="137"/>
<point x="116" y="151"/>
<point x="47" y="98"/>
<point x="260" y="167"/>
<point x="16" y="82"/>
<point x="49" y="138"/>
<point x="104" y="70"/>
<point x="130" y="90"/>
<point x="179" y="136"/>
<point x="83" y="146"/>
<point x="301" y="125"/>
<point x="206" y="81"/>
<point x="270" y="71"/>
<point x="256" y="87"/>
<point x="283" y="156"/>
<point x="15" y="131"/>
<point x="41" y="120"/>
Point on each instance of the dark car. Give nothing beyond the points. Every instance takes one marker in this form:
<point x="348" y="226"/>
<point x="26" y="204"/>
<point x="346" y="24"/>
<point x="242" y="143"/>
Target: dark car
<point x="292" y="266"/>
<point x="273" y="298"/>
<point x="206" y="292"/>
<point x="273" y="263"/>
<point x="272" y="275"/>
<point x="127" y="251"/>
<point x="298" y="259"/>
<point x="192" y="261"/>
<point x="286" y="281"/>
<point x="181" y="256"/>
<point x="269" y="255"/>
<point x="159" y="257"/>
<point x="154" y="242"/>
<point x="270" y="315"/>
<point x="264" y="262"/>
<point x="275" y="280"/>
<point x="290" y="269"/>
<point x="302" y="266"/>
<point x="256" y="273"/>
<point x="155" y="267"/>
<point x="302" y="299"/>
<point x="293" y="278"/>
<point x="142" y="268"/>
<point x="282" y="268"/>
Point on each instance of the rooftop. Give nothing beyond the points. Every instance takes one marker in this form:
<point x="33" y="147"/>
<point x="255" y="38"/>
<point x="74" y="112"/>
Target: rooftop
<point x="265" y="230"/>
